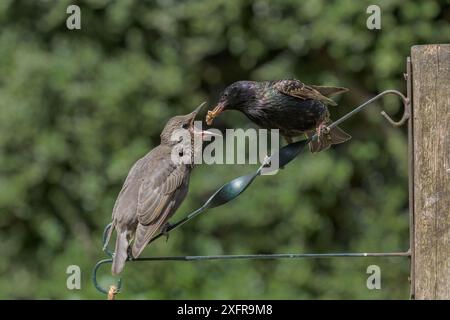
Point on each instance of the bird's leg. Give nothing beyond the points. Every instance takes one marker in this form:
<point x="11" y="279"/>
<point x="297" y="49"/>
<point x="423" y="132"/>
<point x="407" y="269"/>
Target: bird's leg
<point x="323" y="129"/>
<point x="165" y="230"/>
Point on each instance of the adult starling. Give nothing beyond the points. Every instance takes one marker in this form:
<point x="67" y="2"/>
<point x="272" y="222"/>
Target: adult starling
<point x="153" y="190"/>
<point x="288" y="105"/>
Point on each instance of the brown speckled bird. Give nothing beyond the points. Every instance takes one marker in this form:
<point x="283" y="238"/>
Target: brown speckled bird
<point x="153" y="190"/>
<point x="288" y="105"/>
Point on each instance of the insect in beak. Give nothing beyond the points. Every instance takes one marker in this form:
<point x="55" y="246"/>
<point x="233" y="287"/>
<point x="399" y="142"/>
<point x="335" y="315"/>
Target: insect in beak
<point x="214" y="113"/>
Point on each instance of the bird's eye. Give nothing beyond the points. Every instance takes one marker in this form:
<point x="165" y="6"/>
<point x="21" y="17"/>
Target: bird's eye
<point x="185" y="125"/>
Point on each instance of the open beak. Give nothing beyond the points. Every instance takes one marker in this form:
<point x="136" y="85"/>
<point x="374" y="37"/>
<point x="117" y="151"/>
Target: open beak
<point x="214" y="113"/>
<point x="205" y="134"/>
<point x="197" y="110"/>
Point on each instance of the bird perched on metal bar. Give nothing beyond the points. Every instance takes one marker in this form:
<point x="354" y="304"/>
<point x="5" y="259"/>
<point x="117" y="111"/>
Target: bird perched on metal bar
<point x="288" y="105"/>
<point x="153" y="190"/>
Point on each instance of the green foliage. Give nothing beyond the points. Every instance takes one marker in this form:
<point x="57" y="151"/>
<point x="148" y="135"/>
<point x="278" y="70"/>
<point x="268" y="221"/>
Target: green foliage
<point x="78" y="108"/>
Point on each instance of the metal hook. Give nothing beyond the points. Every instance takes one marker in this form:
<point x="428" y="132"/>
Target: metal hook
<point x="105" y="239"/>
<point x="405" y="117"/>
<point x="406" y="106"/>
<point x="94" y="277"/>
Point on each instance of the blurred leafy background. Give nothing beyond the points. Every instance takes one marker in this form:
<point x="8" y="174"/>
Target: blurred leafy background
<point x="78" y="108"/>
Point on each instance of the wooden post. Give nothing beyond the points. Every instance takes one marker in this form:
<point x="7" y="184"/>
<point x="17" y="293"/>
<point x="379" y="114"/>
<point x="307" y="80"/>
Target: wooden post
<point x="431" y="166"/>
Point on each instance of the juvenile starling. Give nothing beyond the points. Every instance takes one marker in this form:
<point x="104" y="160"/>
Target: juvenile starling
<point x="288" y="105"/>
<point x="153" y="190"/>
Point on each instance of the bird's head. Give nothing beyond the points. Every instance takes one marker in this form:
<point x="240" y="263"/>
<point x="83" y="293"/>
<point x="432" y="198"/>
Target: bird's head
<point x="235" y="97"/>
<point x="179" y="126"/>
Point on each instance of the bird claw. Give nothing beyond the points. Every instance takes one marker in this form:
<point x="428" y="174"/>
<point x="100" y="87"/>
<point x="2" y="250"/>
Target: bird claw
<point x="323" y="130"/>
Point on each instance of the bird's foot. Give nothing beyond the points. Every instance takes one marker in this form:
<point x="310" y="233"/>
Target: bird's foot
<point x="165" y="230"/>
<point x="323" y="131"/>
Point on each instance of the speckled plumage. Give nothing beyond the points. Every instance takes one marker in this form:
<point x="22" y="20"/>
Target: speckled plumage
<point x="273" y="109"/>
<point x="288" y="105"/>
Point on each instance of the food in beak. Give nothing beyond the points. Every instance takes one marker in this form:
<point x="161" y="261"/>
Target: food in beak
<point x="213" y="113"/>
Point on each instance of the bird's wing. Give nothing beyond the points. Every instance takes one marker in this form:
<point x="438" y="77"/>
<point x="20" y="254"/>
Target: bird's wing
<point x="134" y="171"/>
<point x="124" y="214"/>
<point x="157" y="199"/>
<point x="145" y="232"/>
<point x="159" y="181"/>
<point x="298" y="89"/>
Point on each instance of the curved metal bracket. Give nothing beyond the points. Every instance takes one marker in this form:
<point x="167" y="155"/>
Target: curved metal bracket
<point x="94" y="277"/>
<point x="105" y="238"/>
<point x="406" y="113"/>
<point x="234" y="188"/>
<point x="406" y="109"/>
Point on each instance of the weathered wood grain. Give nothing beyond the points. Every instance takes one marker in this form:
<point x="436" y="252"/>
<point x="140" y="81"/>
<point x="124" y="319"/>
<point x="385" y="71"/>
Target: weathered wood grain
<point x="431" y="135"/>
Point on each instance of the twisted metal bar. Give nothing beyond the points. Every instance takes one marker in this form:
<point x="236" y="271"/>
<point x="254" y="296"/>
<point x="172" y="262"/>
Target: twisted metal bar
<point x="234" y="188"/>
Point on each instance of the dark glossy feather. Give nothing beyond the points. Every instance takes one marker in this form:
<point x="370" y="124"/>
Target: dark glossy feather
<point x="288" y="105"/>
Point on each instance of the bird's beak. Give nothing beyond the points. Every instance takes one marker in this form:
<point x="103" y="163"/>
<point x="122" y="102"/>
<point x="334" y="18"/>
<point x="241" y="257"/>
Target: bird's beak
<point x="214" y="113"/>
<point x="197" y="110"/>
<point x="205" y="134"/>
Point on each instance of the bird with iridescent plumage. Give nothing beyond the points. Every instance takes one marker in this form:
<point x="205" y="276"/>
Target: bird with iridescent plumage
<point x="288" y="105"/>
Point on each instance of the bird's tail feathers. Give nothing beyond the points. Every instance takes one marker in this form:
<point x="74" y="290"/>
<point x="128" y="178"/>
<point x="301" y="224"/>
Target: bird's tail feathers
<point x="121" y="253"/>
<point x="323" y="142"/>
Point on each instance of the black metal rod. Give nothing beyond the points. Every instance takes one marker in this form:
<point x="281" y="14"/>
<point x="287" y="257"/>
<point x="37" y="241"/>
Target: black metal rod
<point x="276" y="256"/>
<point x="270" y="256"/>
